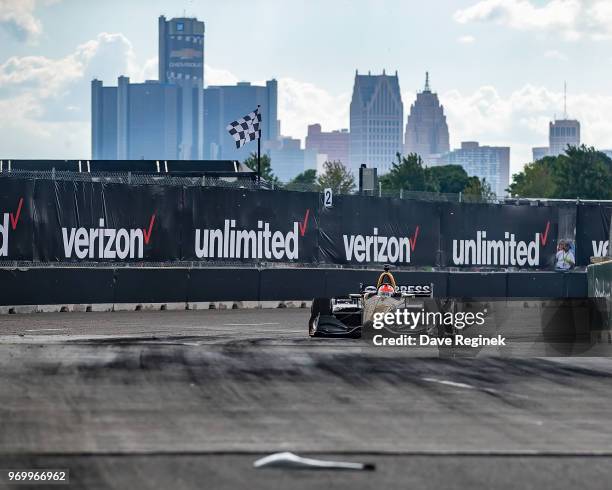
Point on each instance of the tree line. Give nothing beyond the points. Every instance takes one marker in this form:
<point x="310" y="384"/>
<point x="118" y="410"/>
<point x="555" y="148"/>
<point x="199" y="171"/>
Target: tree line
<point x="580" y="173"/>
<point x="408" y="173"/>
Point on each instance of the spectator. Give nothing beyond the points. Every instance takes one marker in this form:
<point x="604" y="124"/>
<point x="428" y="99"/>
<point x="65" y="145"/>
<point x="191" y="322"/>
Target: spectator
<point x="565" y="259"/>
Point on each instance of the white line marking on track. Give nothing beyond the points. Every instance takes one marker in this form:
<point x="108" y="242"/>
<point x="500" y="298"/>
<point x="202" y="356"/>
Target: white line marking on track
<point x="450" y="383"/>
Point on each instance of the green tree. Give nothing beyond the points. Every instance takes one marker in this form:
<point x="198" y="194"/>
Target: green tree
<point x="304" y="181"/>
<point x="478" y="190"/>
<point x="408" y="174"/>
<point x="266" y="167"/>
<point x="536" y="180"/>
<point x="449" y="178"/>
<point x="337" y="177"/>
<point x="582" y="172"/>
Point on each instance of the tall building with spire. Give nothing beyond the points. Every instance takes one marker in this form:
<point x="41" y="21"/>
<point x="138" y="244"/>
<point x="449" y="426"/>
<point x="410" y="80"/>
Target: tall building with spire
<point x="426" y="128"/>
<point x="376" y="120"/>
<point x="561" y="134"/>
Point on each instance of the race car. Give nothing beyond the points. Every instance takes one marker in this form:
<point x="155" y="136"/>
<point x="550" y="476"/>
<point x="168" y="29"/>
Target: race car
<point x="347" y="317"/>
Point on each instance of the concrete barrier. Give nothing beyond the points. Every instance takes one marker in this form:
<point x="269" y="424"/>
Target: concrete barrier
<point x="95" y="289"/>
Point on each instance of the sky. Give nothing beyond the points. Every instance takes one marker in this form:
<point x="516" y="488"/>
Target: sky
<point x="498" y="66"/>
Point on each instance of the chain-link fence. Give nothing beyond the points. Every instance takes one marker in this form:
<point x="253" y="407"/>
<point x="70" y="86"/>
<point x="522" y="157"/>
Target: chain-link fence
<point x="138" y="179"/>
<point x="239" y="182"/>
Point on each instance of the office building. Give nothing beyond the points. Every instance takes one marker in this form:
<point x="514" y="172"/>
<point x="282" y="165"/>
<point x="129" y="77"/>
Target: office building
<point x="426" y="128"/>
<point x="485" y="162"/>
<point x="561" y="133"/>
<point x="181" y="62"/>
<point x="226" y="103"/>
<point x="288" y="159"/>
<point x="376" y="120"/>
<point x="158" y="119"/>
<point x="135" y="121"/>
<point x="335" y="144"/>
<point x="539" y="152"/>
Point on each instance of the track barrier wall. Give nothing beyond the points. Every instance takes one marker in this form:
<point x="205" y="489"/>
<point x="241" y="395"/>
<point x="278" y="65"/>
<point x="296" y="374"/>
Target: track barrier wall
<point x="109" y="243"/>
<point x="51" y="222"/>
<point x="84" y="286"/>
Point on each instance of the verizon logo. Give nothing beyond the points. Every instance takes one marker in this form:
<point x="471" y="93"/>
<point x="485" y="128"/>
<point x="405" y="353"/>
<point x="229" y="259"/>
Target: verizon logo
<point x="9" y="222"/>
<point x="377" y="248"/>
<point x="106" y="243"/>
<point x="509" y="251"/>
<point x="260" y="243"/>
<point x="600" y="248"/>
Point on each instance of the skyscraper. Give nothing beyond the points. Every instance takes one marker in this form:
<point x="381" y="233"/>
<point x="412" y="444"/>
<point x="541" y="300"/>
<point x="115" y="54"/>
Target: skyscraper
<point x="226" y="103"/>
<point x="561" y="133"/>
<point x="539" y="152"/>
<point x="181" y="62"/>
<point x="485" y="162"/>
<point x="158" y="119"/>
<point x="335" y="144"/>
<point x="288" y="159"/>
<point x="376" y="119"/>
<point x="426" y="128"/>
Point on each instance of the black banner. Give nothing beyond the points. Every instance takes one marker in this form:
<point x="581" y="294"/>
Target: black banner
<point x="70" y="221"/>
<point x="367" y="230"/>
<point x="249" y="226"/>
<point x="485" y="235"/>
<point x="592" y="231"/>
<point x="17" y="220"/>
<point x="92" y="221"/>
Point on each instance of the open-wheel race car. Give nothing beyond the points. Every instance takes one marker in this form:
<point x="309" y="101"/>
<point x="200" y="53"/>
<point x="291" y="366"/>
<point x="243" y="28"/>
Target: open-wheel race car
<point x="347" y="317"/>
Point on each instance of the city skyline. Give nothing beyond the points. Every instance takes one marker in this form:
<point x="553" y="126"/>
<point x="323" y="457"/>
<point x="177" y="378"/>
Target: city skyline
<point x="45" y="70"/>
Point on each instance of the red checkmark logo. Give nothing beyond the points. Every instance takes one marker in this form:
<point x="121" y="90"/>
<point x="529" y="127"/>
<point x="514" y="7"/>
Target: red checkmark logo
<point x="304" y="225"/>
<point x="147" y="234"/>
<point x="15" y="217"/>
<point x="414" y="239"/>
<point x="544" y="236"/>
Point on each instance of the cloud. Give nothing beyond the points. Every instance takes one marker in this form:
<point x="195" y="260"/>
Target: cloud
<point x="466" y="39"/>
<point x="520" y="119"/>
<point x="553" y="54"/>
<point x="303" y="103"/>
<point x="17" y="17"/>
<point x="572" y="19"/>
<point x="218" y="76"/>
<point x="47" y="100"/>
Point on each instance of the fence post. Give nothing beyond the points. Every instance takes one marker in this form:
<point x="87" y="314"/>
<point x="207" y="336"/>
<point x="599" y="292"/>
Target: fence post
<point x="460" y="196"/>
<point x="402" y="193"/>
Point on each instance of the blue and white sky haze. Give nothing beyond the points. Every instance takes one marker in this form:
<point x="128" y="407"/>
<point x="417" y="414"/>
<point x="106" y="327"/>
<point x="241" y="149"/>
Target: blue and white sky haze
<point x="497" y="65"/>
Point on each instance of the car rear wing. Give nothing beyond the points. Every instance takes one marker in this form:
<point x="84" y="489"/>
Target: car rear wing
<point x="411" y="290"/>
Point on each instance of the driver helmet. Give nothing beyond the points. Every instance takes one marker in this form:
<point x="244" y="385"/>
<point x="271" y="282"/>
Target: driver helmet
<point x="386" y="290"/>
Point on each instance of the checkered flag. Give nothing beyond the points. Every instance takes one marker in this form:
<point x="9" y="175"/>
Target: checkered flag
<point x="245" y="129"/>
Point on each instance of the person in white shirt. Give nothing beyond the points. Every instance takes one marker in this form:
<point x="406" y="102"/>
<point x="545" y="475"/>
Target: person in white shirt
<point x="565" y="259"/>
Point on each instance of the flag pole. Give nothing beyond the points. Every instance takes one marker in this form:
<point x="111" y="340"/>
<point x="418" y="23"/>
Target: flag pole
<point x="259" y="153"/>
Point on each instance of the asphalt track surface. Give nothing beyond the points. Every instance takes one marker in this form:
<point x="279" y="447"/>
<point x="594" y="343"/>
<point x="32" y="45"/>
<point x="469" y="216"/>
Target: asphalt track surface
<point x="189" y="399"/>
